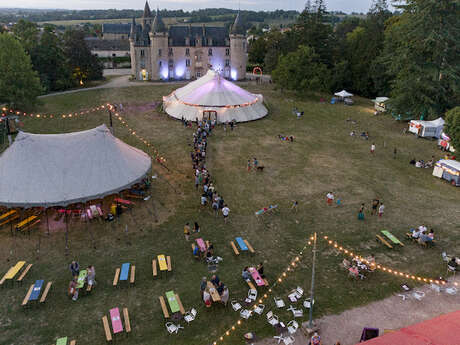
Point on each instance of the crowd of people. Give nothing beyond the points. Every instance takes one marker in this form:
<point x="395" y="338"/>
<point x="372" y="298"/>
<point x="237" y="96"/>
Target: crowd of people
<point x="209" y="195"/>
<point x="422" y="235"/>
<point x="422" y="164"/>
<point x="219" y="286"/>
<point x="90" y="279"/>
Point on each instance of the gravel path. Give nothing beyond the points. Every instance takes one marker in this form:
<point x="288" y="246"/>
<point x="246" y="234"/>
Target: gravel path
<point x="391" y="313"/>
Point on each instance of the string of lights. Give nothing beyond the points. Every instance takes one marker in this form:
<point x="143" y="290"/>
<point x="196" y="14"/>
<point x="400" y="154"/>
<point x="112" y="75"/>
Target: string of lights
<point x="282" y="277"/>
<point x="381" y="267"/>
<point x="8" y="111"/>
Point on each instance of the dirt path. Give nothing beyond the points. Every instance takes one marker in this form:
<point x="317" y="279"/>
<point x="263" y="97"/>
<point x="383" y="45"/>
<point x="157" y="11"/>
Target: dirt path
<point x="391" y="313"/>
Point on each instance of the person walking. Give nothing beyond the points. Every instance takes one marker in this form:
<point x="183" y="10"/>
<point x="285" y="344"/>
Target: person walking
<point x="249" y="165"/>
<point x="197" y="181"/>
<point x="329" y="198"/>
<point x="372" y="148"/>
<point x="91" y="277"/>
<point x="225" y="212"/>
<point x="361" y="212"/>
<point x="375" y="205"/>
<point x="381" y="210"/>
<point x="256" y="163"/>
<point x="187" y="231"/>
<point x="74" y="268"/>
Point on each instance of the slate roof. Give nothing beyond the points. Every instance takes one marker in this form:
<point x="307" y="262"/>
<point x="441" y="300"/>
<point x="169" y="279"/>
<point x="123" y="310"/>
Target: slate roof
<point x="116" y="28"/>
<point x="179" y="33"/>
<point x="99" y="44"/>
<point x="237" y="27"/>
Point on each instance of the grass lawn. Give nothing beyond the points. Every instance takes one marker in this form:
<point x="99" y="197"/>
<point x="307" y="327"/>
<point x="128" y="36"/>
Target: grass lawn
<point x="323" y="157"/>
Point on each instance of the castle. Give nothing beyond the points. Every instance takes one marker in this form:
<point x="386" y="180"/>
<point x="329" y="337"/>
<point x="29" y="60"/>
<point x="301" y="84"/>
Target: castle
<point x="185" y="52"/>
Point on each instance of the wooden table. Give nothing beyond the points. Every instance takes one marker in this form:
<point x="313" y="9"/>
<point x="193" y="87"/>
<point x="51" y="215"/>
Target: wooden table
<point x="241" y="244"/>
<point x="392" y="238"/>
<point x="124" y="271"/>
<point x="213" y="292"/>
<point x="81" y="278"/>
<point x="162" y="262"/>
<point x="201" y="244"/>
<point x="14" y="270"/>
<point x="36" y="290"/>
<point x="117" y="326"/>
<point x="172" y="301"/>
<point x="256" y="276"/>
<point x="25" y="222"/>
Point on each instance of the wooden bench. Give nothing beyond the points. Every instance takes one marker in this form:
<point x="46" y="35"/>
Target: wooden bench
<point x="117" y="275"/>
<point x="30" y="226"/>
<point x="133" y="274"/>
<point x="265" y="281"/>
<point x="251" y="285"/>
<point x="45" y="293"/>
<point x="134" y="196"/>
<point x="235" y="250"/>
<point x="89" y="288"/>
<point x="385" y="242"/>
<point x="73" y="342"/>
<point x="163" y="307"/>
<point x="2" y="280"/>
<point x="181" y="307"/>
<point x="168" y="261"/>
<point x="154" y="268"/>
<point x="26" y="299"/>
<point x="249" y="246"/>
<point x="127" y="323"/>
<point x="16" y="216"/>
<point x="108" y="335"/>
<point x="23" y="274"/>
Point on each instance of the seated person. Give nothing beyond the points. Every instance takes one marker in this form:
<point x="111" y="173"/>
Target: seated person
<point x="260" y="269"/>
<point x="215" y="280"/>
<point x="245" y="274"/>
<point x="371" y="262"/>
<point x="354" y="271"/>
<point x="91" y="277"/>
<point x="220" y="288"/>
<point x="412" y="161"/>
<point x="346" y="263"/>
<point x="207" y="298"/>
<point x="419" y="164"/>
<point x="73" y="291"/>
<point x="416" y="233"/>
<point x="427" y="238"/>
<point x="211" y="248"/>
<point x="352" y="133"/>
<point x="453" y="263"/>
<point x="196" y="251"/>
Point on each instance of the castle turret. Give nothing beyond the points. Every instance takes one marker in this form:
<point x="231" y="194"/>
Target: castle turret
<point x="159" y="48"/>
<point x="132" y="42"/>
<point x="146" y="16"/>
<point x="238" y="54"/>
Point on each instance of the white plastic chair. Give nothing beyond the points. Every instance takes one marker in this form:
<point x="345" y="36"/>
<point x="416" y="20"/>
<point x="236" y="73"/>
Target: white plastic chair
<point x="259" y="309"/>
<point x="245" y="314"/>
<point x="298" y="292"/>
<point x="279" y="302"/>
<point x="292" y="297"/>
<point x="435" y="287"/>
<point x="292" y="326"/>
<point x="190" y="316"/>
<point x="307" y="303"/>
<point x="288" y="340"/>
<point x="236" y="305"/>
<point x="418" y="295"/>
<point x="172" y="328"/>
<point x="295" y="312"/>
<point x="252" y="294"/>
<point x="451" y="291"/>
<point x="272" y="319"/>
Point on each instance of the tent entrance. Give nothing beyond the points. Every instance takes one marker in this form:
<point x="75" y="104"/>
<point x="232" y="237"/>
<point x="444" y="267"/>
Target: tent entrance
<point x="209" y="115"/>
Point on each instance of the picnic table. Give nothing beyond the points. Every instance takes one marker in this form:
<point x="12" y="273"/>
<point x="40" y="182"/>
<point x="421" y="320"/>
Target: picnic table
<point x="266" y="210"/>
<point x="25" y="222"/>
<point x="256" y="276"/>
<point x="81" y="279"/>
<point x="14" y="270"/>
<point x="172" y="301"/>
<point x="392" y="238"/>
<point x="201" y="244"/>
<point x="7" y="214"/>
<point x="36" y="290"/>
<point x="162" y="262"/>
<point x="241" y="244"/>
<point x="117" y="326"/>
<point x="61" y="341"/>
<point x="213" y="292"/>
<point x="124" y="271"/>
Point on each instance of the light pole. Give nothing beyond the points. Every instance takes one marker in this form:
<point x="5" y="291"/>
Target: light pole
<point x="110" y="119"/>
<point x="312" y="290"/>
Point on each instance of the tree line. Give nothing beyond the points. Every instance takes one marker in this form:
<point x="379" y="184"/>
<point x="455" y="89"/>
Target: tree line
<point x="39" y="60"/>
<point x="411" y="56"/>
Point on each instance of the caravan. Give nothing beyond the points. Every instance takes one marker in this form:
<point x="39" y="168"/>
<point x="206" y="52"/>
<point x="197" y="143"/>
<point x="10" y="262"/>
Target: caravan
<point x="427" y="129"/>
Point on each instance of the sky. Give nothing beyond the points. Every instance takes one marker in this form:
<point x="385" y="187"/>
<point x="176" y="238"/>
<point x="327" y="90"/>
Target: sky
<point x="347" y="6"/>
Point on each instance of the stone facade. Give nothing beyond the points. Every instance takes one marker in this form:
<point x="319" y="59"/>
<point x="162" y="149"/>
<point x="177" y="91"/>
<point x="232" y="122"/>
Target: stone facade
<point x="185" y="52"/>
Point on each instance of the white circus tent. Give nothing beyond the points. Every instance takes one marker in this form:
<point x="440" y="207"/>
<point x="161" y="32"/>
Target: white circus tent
<point x="213" y="96"/>
<point x="60" y="169"/>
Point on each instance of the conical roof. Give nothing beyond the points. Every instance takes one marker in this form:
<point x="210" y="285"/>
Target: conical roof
<point x="237" y="27"/>
<point x="147" y="13"/>
<point x="61" y="169"/>
<point x="158" y="25"/>
<point x="212" y="92"/>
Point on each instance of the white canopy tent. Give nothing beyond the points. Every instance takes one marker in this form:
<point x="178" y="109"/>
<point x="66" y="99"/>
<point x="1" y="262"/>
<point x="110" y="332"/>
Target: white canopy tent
<point x="61" y="169"/>
<point x="379" y="103"/>
<point x="212" y="95"/>
<point x="427" y="128"/>
<point x="343" y="94"/>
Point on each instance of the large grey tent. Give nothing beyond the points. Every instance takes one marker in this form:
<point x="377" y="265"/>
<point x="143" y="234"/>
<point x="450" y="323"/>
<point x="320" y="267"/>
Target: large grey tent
<point x="212" y="94"/>
<point x="61" y="169"/>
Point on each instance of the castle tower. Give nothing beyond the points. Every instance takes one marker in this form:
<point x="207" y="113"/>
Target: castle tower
<point x="159" y="48"/>
<point x="146" y="17"/>
<point x="238" y="53"/>
<point x="132" y="51"/>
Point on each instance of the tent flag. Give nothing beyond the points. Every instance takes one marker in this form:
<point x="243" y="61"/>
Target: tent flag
<point x="214" y="94"/>
<point x="60" y="169"/>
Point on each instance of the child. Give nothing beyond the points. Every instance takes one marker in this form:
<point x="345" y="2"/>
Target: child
<point x="381" y="209"/>
<point x="329" y="198"/>
<point x="372" y="148"/>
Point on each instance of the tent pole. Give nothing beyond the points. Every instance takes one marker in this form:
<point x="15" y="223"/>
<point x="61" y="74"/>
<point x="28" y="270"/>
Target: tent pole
<point x="47" y="221"/>
<point x="66" y="233"/>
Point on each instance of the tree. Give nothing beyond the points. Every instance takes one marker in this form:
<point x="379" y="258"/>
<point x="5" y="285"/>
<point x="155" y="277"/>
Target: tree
<point x="257" y="51"/>
<point x="302" y="70"/>
<point x="452" y="126"/>
<point x="19" y="84"/>
<point x="83" y="64"/>
<point x="422" y="57"/>
<point x="27" y="33"/>
<point x="51" y="63"/>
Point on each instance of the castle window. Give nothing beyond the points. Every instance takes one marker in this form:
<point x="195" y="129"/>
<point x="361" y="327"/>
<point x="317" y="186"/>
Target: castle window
<point x="210" y="52"/>
<point x="227" y="63"/>
<point x="160" y="63"/>
<point x="142" y="52"/>
<point x="227" y="51"/>
<point x="187" y="51"/>
<point x="159" y="52"/>
<point x="171" y="63"/>
<point x="209" y="41"/>
<point x="122" y="37"/>
<point x="187" y="62"/>
<point x="170" y="52"/>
